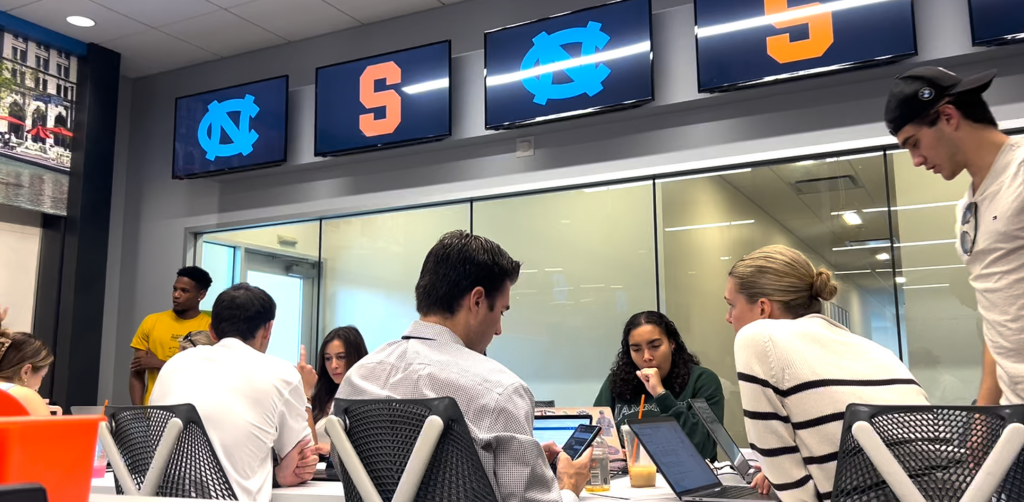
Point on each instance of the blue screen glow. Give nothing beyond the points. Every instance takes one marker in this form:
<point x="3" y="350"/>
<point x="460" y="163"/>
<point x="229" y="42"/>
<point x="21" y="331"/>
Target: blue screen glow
<point x="568" y="65"/>
<point x="997" y="21"/>
<point x="383" y="101"/>
<point x="742" y="42"/>
<point x="240" y="127"/>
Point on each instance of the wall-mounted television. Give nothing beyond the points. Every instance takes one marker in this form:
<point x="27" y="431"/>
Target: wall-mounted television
<point x="384" y="101"/>
<point x="232" y="129"/>
<point x="749" y="42"/>
<point x="997" y="22"/>
<point x="591" y="60"/>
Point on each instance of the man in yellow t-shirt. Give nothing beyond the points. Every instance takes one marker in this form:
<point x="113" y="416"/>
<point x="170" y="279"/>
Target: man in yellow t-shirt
<point x="159" y="334"/>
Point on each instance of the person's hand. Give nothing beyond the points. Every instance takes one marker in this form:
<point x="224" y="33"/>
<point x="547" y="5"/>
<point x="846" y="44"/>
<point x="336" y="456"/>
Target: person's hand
<point x="323" y="449"/>
<point x="3" y="314"/>
<point x="573" y="476"/>
<point x="295" y="469"/>
<point x="307" y="372"/>
<point x="146" y="360"/>
<point x="551" y="450"/>
<point x="761" y="484"/>
<point x="651" y="378"/>
<point x="306" y="466"/>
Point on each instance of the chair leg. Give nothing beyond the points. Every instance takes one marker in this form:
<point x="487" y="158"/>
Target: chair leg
<point x="350" y="459"/>
<point x="160" y="459"/>
<point x="116" y="462"/>
<point x="422" y="452"/>
<point x="886" y="464"/>
<point x="996" y="465"/>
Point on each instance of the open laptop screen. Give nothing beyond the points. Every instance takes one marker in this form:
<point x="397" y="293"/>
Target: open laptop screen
<point x="557" y="428"/>
<point x="678" y="460"/>
<point x="721" y="435"/>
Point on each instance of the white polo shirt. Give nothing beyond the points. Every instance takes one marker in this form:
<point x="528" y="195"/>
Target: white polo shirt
<point x="249" y="402"/>
<point x="997" y="265"/>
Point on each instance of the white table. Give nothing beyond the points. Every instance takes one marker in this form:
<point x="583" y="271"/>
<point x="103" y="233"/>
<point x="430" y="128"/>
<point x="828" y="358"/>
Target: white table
<point x="314" y="491"/>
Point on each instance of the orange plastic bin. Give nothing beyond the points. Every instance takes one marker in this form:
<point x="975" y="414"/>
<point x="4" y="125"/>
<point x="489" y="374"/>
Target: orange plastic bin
<point x="56" y="452"/>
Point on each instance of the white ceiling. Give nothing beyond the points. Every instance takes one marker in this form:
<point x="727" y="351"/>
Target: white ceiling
<point x="160" y="35"/>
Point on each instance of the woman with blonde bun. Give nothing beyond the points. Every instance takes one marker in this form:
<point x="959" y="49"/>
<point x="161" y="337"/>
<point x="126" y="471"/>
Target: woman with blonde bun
<point x="798" y="370"/>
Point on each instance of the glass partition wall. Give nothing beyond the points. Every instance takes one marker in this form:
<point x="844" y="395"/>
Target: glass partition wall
<point x="594" y="256"/>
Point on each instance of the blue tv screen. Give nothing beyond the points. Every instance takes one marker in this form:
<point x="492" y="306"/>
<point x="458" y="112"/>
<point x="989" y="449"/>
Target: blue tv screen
<point x="582" y="62"/>
<point x="231" y="129"/>
<point x="749" y="42"/>
<point x="997" y="22"/>
<point x="384" y="101"/>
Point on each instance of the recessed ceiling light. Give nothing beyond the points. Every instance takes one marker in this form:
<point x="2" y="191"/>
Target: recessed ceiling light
<point x="852" y="218"/>
<point x="901" y="280"/>
<point x="883" y="256"/>
<point x="82" y="21"/>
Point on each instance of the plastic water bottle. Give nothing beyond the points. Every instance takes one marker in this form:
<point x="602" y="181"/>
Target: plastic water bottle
<point x="600" y="474"/>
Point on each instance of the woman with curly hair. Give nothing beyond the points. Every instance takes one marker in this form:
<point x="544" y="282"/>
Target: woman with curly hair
<point x="654" y="361"/>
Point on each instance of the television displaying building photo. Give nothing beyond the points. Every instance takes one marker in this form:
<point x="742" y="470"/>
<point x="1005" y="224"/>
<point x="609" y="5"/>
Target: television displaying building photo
<point x="37" y="105"/>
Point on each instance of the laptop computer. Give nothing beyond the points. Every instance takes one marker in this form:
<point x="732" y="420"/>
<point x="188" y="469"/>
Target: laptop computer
<point x="557" y="428"/>
<point x="724" y="440"/>
<point x="682" y="466"/>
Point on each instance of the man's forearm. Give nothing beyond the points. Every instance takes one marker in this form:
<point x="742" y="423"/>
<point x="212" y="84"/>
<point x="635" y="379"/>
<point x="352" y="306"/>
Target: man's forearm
<point x="137" y="387"/>
<point x="990" y="394"/>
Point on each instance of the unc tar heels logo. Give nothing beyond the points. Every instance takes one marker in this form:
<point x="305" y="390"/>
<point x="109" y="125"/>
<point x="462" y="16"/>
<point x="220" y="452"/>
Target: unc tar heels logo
<point x="547" y="49"/>
<point x="217" y="120"/>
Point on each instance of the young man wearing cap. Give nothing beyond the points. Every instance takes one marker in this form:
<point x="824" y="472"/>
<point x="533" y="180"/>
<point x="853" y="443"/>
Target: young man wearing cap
<point x="947" y="127"/>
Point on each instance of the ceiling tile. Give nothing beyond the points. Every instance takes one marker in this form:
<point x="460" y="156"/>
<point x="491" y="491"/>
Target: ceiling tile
<point x="223" y="33"/>
<point x="230" y="3"/>
<point x="6" y="5"/>
<point x="153" y="51"/>
<point x="159" y="12"/>
<point x="371" y="11"/>
<point x="53" y="14"/>
<point x="296" y="19"/>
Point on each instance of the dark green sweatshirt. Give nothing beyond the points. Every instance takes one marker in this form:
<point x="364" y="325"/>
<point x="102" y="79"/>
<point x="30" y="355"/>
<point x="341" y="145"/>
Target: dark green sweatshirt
<point x="703" y="383"/>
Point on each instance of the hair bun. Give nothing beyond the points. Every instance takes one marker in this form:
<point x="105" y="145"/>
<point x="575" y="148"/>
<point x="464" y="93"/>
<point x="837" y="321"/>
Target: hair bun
<point x="823" y="286"/>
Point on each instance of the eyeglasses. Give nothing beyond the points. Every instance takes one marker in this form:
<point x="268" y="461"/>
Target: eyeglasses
<point x="969" y="232"/>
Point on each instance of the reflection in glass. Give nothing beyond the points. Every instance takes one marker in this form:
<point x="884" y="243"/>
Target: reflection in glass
<point x="707" y="223"/>
<point x="371" y="264"/>
<point x="588" y="265"/>
<point x="937" y="303"/>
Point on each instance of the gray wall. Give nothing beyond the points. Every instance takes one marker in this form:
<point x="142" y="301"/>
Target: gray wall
<point x="153" y="215"/>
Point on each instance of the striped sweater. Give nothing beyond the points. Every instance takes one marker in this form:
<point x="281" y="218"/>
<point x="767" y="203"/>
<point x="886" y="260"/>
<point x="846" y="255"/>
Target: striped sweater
<point x="796" y="379"/>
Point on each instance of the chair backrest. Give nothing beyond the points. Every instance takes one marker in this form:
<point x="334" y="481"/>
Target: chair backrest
<point x="193" y="469"/>
<point x="544" y="404"/>
<point x="940" y="448"/>
<point x="383" y="434"/>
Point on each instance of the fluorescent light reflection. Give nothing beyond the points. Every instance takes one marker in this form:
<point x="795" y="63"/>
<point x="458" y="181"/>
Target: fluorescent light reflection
<point x="616" y="187"/>
<point x="782" y="17"/>
<point x="899" y="245"/>
<point x="927" y="286"/>
<point x="570" y="63"/>
<point x="426" y="86"/>
<point x="704" y="175"/>
<point x="710" y="225"/>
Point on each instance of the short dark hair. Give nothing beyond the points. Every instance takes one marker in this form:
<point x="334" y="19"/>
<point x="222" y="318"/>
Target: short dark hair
<point x="972" y="106"/>
<point x="459" y="263"/>
<point x="241" y="311"/>
<point x="197" y="275"/>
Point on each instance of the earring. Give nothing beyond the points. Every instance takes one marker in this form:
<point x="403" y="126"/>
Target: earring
<point x="22" y="381"/>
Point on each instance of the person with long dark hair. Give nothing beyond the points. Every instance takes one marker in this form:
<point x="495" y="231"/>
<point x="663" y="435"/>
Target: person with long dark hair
<point x="340" y="351"/>
<point x="655" y="363"/>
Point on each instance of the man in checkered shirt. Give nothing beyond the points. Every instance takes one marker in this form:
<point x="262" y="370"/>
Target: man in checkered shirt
<point x="461" y="296"/>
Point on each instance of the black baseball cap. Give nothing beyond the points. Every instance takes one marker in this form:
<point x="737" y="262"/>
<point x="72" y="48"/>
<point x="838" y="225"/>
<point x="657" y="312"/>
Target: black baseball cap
<point x="921" y="90"/>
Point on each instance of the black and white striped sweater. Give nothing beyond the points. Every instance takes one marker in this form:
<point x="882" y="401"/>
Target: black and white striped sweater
<point x="796" y="379"/>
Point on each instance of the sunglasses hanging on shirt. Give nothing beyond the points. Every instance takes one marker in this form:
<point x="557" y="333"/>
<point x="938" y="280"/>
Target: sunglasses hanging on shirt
<point x="969" y="228"/>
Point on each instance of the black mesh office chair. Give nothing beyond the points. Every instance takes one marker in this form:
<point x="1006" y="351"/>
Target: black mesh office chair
<point x="165" y="452"/>
<point x="904" y="453"/>
<point x="404" y="450"/>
